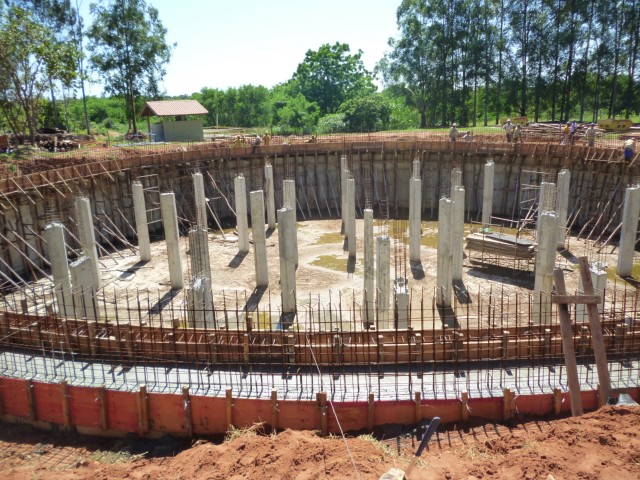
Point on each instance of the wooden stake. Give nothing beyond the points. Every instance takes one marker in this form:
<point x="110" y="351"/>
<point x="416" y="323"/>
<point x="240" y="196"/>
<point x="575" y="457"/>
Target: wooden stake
<point x="104" y="416"/>
<point x="31" y="401"/>
<point x="568" y="348"/>
<point x="321" y="401"/>
<point x="274" y="410"/>
<point x="66" y="405"/>
<point x="186" y="402"/>
<point x="557" y="401"/>
<point x="143" y="411"/>
<point x="370" y="412"/>
<point x="417" y="415"/>
<point x="229" y="405"/>
<point x="464" y="398"/>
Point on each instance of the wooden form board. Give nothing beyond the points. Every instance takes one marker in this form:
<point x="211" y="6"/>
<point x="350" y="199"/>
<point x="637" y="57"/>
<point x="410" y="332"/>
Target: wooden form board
<point x="109" y="412"/>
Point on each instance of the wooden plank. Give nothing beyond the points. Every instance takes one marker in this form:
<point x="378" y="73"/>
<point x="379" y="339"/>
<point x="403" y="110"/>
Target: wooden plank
<point x="597" y="341"/>
<point x="321" y="400"/>
<point x="567" y="344"/>
<point x="571" y="299"/>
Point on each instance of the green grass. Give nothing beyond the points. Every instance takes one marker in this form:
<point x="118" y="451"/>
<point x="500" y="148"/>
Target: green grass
<point x="334" y="262"/>
<point x="635" y="272"/>
<point x="330" y="238"/>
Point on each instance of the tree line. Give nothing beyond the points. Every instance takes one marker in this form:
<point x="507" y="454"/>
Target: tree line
<point x="469" y="61"/>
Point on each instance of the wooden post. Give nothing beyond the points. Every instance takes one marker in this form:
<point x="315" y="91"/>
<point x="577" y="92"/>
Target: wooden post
<point x="321" y="402"/>
<point x="370" y="412"/>
<point x="66" y="405"/>
<point x="507" y="411"/>
<point x="229" y="406"/>
<point x="464" y="398"/>
<point x="186" y="403"/>
<point x="568" y="348"/>
<point x="65" y="331"/>
<point x="557" y="401"/>
<point x="274" y="410"/>
<point x="245" y="348"/>
<point x="597" y="341"/>
<point x="417" y="404"/>
<point x="143" y="411"/>
<point x="31" y="401"/>
<point x="1" y="397"/>
<point x="505" y="343"/>
<point x="104" y="416"/>
<point x="91" y="333"/>
<point x="4" y="327"/>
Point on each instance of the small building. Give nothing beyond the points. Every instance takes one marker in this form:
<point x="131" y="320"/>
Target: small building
<point x="178" y="129"/>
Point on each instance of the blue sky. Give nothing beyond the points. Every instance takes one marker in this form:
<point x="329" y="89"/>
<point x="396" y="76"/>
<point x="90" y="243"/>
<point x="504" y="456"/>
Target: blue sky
<point x="225" y="44"/>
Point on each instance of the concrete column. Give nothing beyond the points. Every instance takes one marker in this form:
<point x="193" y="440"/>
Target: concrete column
<point x="286" y="233"/>
<point x="545" y="262"/>
<point x="599" y="278"/>
<point x="344" y="176"/>
<point x="199" y="253"/>
<point x="241" y="214"/>
<point x="456" y="178"/>
<point x="564" y="183"/>
<point x="87" y="236"/>
<point x="444" y="255"/>
<point x="401" y="301"/>
<point x="54" y="235"/>
<point x="269" y="191"/>
<point x="415" y="218"/>
<point x="416" y="169"/>
<point x="200" y="302"/>
<point x="457" y="233"/>
<point x="142" y="228"/>
<point x="630" y="213"/>
<point x="351" y="217"/>
<point x="546" y="201"/>
<point x="487" y="193"/>
<point x="368" y="297"/>
<point x="259" y="238"/>
<point x="200" y="200"/>
<point x="383" y="280"/>
<point x="172" y="238"/>
<point x="84" y="288"/>
<point x="289" y="201"/>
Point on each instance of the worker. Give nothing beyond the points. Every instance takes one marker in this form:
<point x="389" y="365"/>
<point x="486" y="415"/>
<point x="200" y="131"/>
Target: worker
<point x="573" y="128"/>
<point x="313" y="139"/>
<point x="590" y="135"/>
<point x="508" y="128"/>
<point x="565" y="134"/>
<point x="256" y="143"/>
<point x="453" y="132"/>
<point x="629" y="147"/>
<point x="266" y="138"/>
<point x="517" y="135"/>
<point x="467" y="136"/>
<point x="238" y="142"/>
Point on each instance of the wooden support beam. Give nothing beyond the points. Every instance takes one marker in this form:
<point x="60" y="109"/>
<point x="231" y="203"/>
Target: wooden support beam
<point x="186" y="403"/>
<point x="102" y="402"/>
<point x="274" y="410"/>
<point x="321" y="402"/>
<point x="568" y="348"/>
<point x="507" y="404"/>
<point x="417" y="410"/>
<point x="143" y="411"/>
<point x="66" y="405"/>
<point x="31" y="401"/>
<point x="557" y="401"/>
<point x="229" y="408"/>
<point x="572" y="299"/>
<point x="370" y="412"/>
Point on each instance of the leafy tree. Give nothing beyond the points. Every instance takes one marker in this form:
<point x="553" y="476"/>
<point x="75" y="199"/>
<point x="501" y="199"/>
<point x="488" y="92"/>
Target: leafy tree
<point x="30" y="58"/>
<point x="332" y="123"/>
<point x="331" y="75"/>
<point x="366" y="114"/>
<point x="291" y="111"/>
<point x="128" y="47"/>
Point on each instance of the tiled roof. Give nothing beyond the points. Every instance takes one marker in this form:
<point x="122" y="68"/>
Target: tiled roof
<point x="170" y="108"/>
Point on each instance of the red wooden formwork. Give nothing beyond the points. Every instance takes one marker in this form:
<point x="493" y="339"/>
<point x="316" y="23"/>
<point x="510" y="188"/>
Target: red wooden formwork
<point x="298" y="415"/>
<point x="85" y="406"/>
<point x="48" y="402"/>
<point x="352" y="416"/>
<point x="167" y="413"/>
<point x="247" y="412"/>
<point x="490" y="408"/>
<point x="15" y="397"/>
<point x="208" y="415"/>
<point x="541" y="404"/>
<point x="447" y="410"/>
<point x="402" y="411"/>
<point x="122" y="410"/>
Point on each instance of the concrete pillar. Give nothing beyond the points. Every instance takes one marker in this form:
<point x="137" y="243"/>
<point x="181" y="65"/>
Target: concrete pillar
<point x="289" y="201"/>
<point x="444" y="256"/>
<point x="54" y="235"/>
<point x="545" y="262"/>
<point x="457" y="233"/>
<point x="286" y="233"/>
<point x="546" y="201"/>
<point x="200" y="201"/>
<point x="630" y="213"/>
<point x="84" y="288"/>
<point x="487" y="193"/>
<point x="401" y="302"/>
<point x="269" y="190"/>
<point x="564" y="183"/>
<point x="351" y="217"/>
<point x="383" y="280"/>
<point x="200" y="301"/>
<point x="87" y="236"/>
<point x="415" y="173"/>
<point x="599" y="278"/>
<point x="241" y="214"/>
<point x="259" y="238"/>
<point x="456" y="178"/>
<point x="142" y="228"/>
<point x="199" y="253"/>
<point x="368" y="297"/>
<point x="172" y="238"/>
<point x="344" y="176"/>
<point x="415" y="218"/>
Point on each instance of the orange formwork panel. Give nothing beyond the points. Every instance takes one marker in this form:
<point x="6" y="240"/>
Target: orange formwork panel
<point x="489" y="408"/>
<point x="298" y="415"/>
<point x="401" y="411"/>
<point x="249" y="411"/>
<point x="122" y="410"/>
<point x="85" y="407"/>
<point x="208" y="415"/>
<point x="447" y="410"/>
<point x="167" y="413"/>
<point x="15" y="397"/>
<point x="48" y="402"/>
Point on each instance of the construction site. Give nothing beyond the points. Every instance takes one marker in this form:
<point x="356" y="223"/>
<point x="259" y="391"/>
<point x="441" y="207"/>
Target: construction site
<point x="333" y="286"/>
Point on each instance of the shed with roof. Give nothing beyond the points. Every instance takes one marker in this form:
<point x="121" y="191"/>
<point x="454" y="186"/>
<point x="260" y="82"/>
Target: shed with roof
<point x="177" y="122"/>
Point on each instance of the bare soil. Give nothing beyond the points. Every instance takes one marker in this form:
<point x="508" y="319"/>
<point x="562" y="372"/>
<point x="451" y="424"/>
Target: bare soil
<point x="601" y="445"/>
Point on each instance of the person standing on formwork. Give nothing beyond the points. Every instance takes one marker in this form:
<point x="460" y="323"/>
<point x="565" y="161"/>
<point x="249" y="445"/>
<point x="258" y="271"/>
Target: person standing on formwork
<point x="590" y="135"/>
<point x="508" y="128"/>
<point x="573" y="128"/>
<point x="517" y="135"/>
<point x="453" y="132"/>
<point x="629" y="147"/>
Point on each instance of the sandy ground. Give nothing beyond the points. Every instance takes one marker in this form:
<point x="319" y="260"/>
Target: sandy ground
<point x="601" y="445"/>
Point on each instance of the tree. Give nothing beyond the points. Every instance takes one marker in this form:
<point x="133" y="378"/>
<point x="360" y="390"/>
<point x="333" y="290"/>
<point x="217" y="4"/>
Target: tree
<point x="331" y="75"/>
<point x="128" y="47"/>
<point x="30" y="58"/>
<point x="291" y="110"/>
<point x="368" y="113"/>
